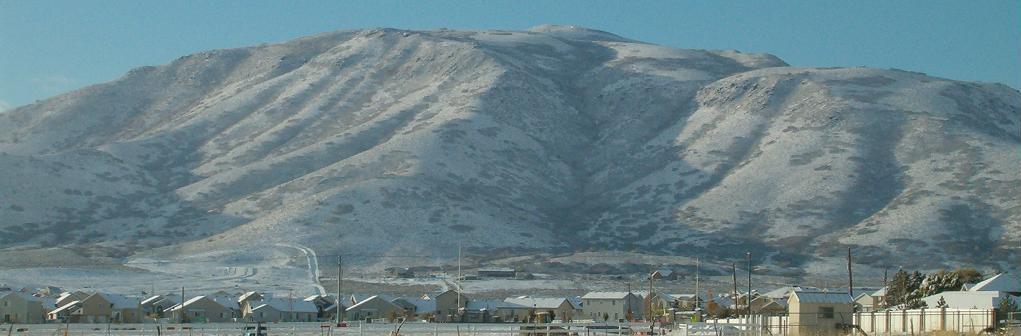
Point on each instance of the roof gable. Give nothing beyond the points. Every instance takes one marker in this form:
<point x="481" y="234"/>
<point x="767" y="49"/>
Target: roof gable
<point x="998" y="283"/>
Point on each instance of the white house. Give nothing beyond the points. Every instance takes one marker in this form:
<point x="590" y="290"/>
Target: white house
<point x="970" y="299"/>
<point x="1002" y="282"/>
<point x="613" y="305"/>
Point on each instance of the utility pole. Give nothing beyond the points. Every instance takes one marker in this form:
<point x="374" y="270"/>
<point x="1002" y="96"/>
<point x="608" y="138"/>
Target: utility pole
<point x="340" y="275"/>
<point x="457" y="281"/>
<point x="733" y="265"/>
<point x="748" y="300"/>
<point x="628" y="314"/>
<point x="290" y="305"/>
<point x="698" y="304"/>
<point x="850" y="278"/>
<point x="180" y="318"/>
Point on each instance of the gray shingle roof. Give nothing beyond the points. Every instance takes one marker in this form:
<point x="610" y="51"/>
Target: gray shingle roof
<point x="823" y="297"/>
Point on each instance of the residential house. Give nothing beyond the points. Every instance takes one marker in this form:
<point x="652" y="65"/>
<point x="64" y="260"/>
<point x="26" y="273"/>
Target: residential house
<point x="49" y="291"/>
<point x="99" y="308"/>
<point x="202" y="309"/>
<point x="18" y="307"/>
<point x="819" y="313"/>
<point x="970" y="299"/>
<point x="720" y="305"/>
<point x="417" y="308"/>
<point x="687" y="302"/>
<point x="249" y="296"/>
<point x="544" y="309"/>
<point x="657" y="305"/>
<point x="448" y="305"/>
<point x="154" y="306"/>
<point x="873" y="301"/>
<point x="1002" y="282"/>
<point x="665" y="274"/>
<point x="615" y="306"/>
<point x="496" y="272"/>
<point x="124" y="309"/>
<point x="772" y="308"/>
<point x="67" y="297"/>
<point x="280" y="310"/>
<point x="65" y="313"/>
<point x="323" y="304"/>
<point x="759" y="302"/>
<point x="400" y="272"/>
<point x="374" y="307"/>
<point x="482" y="311"/>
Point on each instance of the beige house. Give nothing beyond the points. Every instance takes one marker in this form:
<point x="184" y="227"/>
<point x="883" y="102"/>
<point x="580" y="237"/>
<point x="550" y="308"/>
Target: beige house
<point x="819" y="313"/>
<point x="279" y="310"/>
<point x="155" y="306"/>
<point x="99" y="308"/>
<point x="18" y="307"/>
<point x="616" y="306"/>
<point x="200" y="309"/>
<point x="375" y="307"/>
<point x="871" y="301"/>
<point x="447" y="307"/>
<point x="544" y="309"/>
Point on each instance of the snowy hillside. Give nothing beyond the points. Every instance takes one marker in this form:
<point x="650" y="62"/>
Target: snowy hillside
<point x="395" y="142"/>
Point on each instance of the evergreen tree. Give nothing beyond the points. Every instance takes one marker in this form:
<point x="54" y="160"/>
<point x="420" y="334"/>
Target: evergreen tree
<point x="1006" y="307"/>
<point x="942" y="303"/>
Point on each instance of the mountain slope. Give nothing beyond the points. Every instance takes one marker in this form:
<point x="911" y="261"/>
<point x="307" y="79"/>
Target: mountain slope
<point x="385" y="142"/>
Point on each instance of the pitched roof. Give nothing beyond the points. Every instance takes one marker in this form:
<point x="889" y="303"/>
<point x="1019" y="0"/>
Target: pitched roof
<point x="486" y="304"/>
<point x="372" y="298"/>
<point x="69" y="306"/>
<point x="45" y="301"/>
<point x="998" y="283"/>
<point x="605" y="295"/>
<point x="822" y="297"/>
<point x="120" y="301"/>
<point x="285" y="305"/>
<point x="226" y="301"/>
<point x="538" y="303"/>
<point x="575" y="301"/>
<point x="421" y="305"/>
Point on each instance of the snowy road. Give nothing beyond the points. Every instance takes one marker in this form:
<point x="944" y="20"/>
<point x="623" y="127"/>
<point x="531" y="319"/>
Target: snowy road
<point x="313" y="265"/>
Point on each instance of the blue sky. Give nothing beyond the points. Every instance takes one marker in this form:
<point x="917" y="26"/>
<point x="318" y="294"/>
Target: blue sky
<point x="49" y="47"/>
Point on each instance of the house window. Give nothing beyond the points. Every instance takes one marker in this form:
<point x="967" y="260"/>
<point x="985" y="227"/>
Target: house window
<point x="613" y="303"/>
<point x="826" y="312"/>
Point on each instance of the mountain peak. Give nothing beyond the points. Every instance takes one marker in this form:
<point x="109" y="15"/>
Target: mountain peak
<point x="527" y="142"/>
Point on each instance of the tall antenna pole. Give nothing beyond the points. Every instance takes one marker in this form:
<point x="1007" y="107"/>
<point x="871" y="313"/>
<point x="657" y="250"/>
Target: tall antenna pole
<point x="340" y="275"/>
<point x="458" y="280"/>
<point x="180" y="317"/>
<point x="850" y="278"/>
<point x="697" y="303"/>
<point x="748" y="299"/>
<point x="733" y="265"/>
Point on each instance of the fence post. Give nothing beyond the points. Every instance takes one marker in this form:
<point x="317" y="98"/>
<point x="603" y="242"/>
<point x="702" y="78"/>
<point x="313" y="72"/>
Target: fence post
<point x="921" y="321"/>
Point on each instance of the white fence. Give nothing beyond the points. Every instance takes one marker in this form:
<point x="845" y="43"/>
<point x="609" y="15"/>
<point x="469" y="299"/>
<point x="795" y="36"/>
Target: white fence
<point x="898" y="322"/>
<point x="925" y="320"/>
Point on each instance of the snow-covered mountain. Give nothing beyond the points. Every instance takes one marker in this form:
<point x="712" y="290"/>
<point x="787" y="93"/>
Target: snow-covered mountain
<point x="396" y="142"/>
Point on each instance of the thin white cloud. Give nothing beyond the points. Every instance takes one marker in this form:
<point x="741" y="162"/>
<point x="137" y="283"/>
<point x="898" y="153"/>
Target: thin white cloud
<point x="4" y="105"/>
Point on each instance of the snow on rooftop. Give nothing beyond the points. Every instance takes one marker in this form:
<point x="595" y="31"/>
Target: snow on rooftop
<point x="539" y="303"/>
<point x="998" y="283"/>
<point x="604" y="295"/>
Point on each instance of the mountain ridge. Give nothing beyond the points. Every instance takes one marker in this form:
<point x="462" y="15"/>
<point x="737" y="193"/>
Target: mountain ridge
<point x="557" y="138"/>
